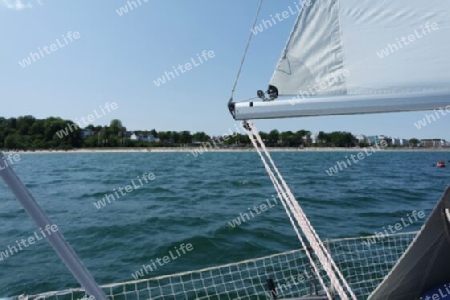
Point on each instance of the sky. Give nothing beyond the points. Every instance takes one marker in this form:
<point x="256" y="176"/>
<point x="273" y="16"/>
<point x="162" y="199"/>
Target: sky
<point x="117" y="58"/>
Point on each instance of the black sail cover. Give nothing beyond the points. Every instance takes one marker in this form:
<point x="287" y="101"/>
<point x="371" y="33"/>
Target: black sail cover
<point x="425" y="264"/>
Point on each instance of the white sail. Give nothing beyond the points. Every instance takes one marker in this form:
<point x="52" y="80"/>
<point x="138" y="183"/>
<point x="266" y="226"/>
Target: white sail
<point x="313" y="53"/>
<point x="361" y="56"/>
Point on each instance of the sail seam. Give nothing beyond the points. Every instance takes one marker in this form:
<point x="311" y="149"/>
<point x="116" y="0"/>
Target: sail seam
<point x="284" y="52"/>
<point x="341" y="43"/>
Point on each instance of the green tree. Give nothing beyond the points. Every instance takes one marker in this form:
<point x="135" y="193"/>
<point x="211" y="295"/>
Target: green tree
<point x="12" y="123"/>
<point x="264" y="135"/>
<point x="115" y="127"/>
<point x="322" y="137"/>
<point x="273" y="138"/>
<point x="38" y="128"/>
<point x="164" y="136"/>
<point x="13" y="141"/>
<point x="413" y="142"/>
<point x="342" y="139"/>
<point x="154" y="133"/>
<point x="285" y="138"/>
<point x="175" y="137"/>
<point x="24" y="124"/>
<point x="185" y="137"/>
<point x="200" y="137"/>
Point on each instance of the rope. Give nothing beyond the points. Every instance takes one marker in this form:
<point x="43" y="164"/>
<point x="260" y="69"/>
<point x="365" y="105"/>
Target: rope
<point x="246" y="49"/>
<point x="288" y="200"/>
<point x="299" y="210"/>
<point x="282" y="198"/>
<point x="285" y="201"/>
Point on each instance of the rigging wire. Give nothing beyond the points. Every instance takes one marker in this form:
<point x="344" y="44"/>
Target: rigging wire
<point x="321" y="252"/>
<point x="299" y="211"/>
<point x="283" y="200"/>
<point x="246" y="50"/>
<point x="290" y="204"/>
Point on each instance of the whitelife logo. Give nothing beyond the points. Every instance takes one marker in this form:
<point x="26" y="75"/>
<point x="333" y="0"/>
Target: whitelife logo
<point x="411" y="38"/>
<point x="128" y="189"/>
<point x="396" y="228"/>
<point x="31" y="240"/>
<point x="48" y="50"/>
<point x="184" y="68"/>
<point x="90" y="118"/>
<point x="165" y="260"/>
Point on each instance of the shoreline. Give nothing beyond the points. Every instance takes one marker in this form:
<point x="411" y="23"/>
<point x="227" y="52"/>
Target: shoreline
<point x="225" y="150"/>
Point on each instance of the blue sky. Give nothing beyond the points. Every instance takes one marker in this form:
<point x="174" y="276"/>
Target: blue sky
<point x="117" y="58"/>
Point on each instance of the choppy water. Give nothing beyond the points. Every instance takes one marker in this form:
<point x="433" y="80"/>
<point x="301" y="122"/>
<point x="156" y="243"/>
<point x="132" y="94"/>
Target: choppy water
<point x="191" y="201"/>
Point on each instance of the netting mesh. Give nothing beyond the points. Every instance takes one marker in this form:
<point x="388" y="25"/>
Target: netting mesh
<point x="364" y="261"/>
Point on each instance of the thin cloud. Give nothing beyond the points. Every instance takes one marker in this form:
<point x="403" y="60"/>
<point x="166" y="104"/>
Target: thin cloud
<point x="18" y="4"/>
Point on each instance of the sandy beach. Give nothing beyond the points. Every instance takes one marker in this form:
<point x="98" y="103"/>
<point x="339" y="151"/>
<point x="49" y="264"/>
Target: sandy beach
<point x="196" y="149"/>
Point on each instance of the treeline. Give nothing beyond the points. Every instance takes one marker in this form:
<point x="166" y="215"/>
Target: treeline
<point x="29" y="133"/>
